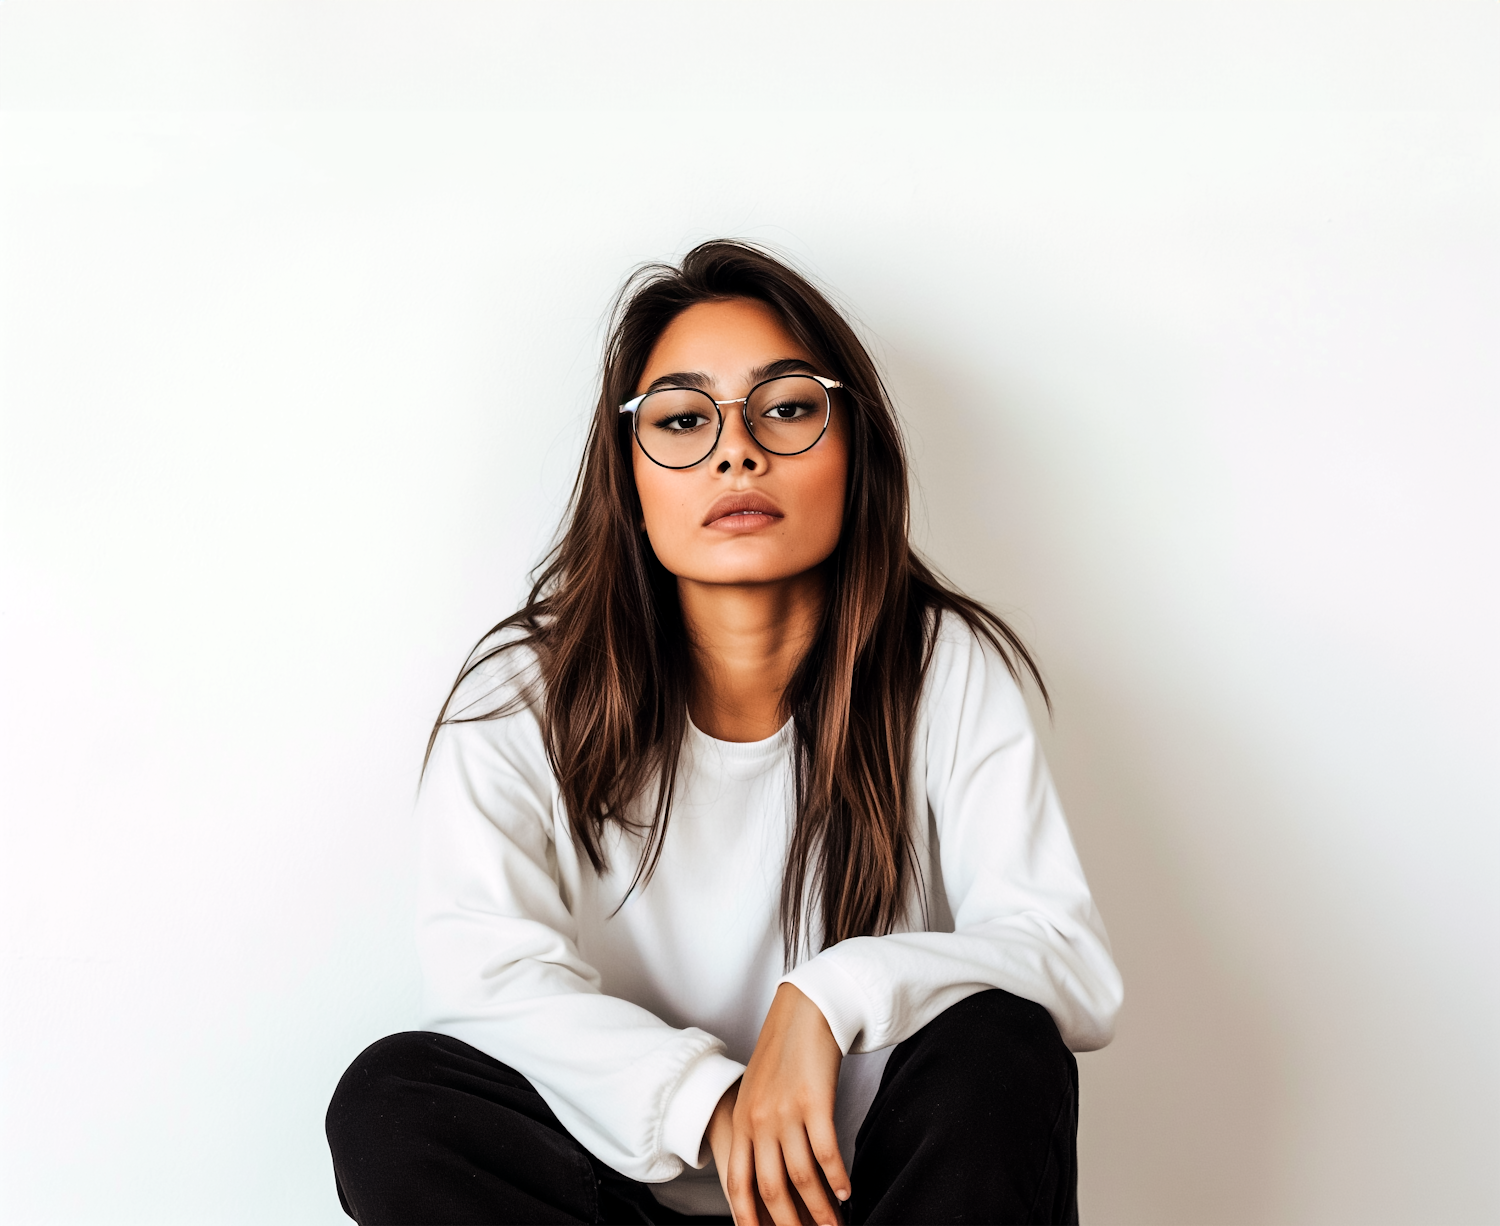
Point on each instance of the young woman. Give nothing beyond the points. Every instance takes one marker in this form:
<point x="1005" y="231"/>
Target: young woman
<point x="744" y="885"/>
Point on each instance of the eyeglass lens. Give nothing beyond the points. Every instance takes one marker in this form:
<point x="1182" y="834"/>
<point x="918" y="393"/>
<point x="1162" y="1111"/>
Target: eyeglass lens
<point x="679" y="427"/>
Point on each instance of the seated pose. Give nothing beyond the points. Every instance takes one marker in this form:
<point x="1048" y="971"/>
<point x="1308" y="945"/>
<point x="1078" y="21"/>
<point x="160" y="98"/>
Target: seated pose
<point x="744" y="887"/>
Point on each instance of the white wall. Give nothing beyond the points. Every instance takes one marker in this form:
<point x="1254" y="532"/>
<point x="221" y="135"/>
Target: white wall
<point x="1192" y="311"/>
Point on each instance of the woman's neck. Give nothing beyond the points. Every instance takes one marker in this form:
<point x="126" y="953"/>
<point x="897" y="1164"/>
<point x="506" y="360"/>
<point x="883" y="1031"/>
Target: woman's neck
<point x="747" y="642"/>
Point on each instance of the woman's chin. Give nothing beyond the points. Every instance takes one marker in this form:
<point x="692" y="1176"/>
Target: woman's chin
<point x="750" y="574"/>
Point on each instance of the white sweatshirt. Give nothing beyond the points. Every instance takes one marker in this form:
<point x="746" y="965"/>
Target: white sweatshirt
<point x="632" y="1021"/>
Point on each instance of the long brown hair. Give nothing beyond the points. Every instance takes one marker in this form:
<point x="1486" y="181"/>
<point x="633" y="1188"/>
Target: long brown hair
<point x="613" y="671"/>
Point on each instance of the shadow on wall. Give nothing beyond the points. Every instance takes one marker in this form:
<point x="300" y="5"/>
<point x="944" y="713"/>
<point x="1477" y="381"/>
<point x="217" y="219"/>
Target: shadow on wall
<point x="1183" y="1115"/>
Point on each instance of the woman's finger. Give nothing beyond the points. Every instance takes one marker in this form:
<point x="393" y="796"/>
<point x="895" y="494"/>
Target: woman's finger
<point x="744" y="1203"/>
<point x="824" y="1140"/>
<point x="771" y="1182"/>
<point x="807" y="1178"/>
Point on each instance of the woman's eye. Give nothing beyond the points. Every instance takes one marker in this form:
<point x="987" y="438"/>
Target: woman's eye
<point x="682" y="423"/>
<point x="788" y="411"/>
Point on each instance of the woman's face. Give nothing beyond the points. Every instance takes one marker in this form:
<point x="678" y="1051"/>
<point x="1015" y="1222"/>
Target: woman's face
<point x="742" y="516"/>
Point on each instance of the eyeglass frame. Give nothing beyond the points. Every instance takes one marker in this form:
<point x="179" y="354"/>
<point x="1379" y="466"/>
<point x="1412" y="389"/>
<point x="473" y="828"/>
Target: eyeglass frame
<point x="828" y="385"/>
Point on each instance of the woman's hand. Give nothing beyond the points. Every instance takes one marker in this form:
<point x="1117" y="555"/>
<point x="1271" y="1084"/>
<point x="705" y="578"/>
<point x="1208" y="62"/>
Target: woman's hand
<point x="721" y="1144"/>
<point x="772" y="1135"/>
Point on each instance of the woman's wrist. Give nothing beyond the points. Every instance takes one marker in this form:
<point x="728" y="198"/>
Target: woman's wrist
<point x="720" y="1132"/>
<point x="720" y="1135"/>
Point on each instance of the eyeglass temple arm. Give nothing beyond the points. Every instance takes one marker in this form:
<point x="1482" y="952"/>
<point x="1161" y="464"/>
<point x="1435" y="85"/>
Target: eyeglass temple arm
<point x="630" y="406"/>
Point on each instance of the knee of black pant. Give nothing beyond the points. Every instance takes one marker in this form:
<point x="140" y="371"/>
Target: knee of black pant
<point x="365" y="1093"/>
<point x="1003" y="1043"/>
<point x="973" y="1122"/>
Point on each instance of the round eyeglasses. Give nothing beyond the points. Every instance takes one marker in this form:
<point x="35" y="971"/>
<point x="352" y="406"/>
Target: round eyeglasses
<point x="678" y="427"/>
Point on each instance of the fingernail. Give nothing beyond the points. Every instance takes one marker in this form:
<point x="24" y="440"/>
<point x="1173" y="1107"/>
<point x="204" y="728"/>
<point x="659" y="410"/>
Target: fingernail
<point x="842" y="1193"/>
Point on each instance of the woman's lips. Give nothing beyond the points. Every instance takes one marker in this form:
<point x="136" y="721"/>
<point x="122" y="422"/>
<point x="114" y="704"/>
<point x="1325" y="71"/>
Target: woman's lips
<point x="741" y="512"/>
<point x="742" y="521"/>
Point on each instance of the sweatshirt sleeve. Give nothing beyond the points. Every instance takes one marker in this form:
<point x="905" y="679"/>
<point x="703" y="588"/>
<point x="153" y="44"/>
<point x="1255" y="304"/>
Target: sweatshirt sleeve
<point x="1022" y="916"/>
<point x="501" y="969"/>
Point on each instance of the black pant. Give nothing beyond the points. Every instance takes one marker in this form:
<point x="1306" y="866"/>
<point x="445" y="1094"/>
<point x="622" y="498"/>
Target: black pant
<point x="975" y="1121"/>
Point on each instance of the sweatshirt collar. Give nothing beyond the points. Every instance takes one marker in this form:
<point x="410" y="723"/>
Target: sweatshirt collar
<point x="740" y="753"/>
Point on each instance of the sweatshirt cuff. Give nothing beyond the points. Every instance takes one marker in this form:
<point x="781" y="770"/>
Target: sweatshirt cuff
<point x="684" y="1131"/>
<point x="836" y="993"/>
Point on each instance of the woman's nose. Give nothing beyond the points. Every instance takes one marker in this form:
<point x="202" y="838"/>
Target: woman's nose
<point x="737" y="448"/>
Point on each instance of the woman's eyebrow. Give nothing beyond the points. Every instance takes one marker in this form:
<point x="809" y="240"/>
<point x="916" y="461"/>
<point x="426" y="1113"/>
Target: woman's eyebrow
<point x="781" y="366"/>
<point x="683" y="378"/>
